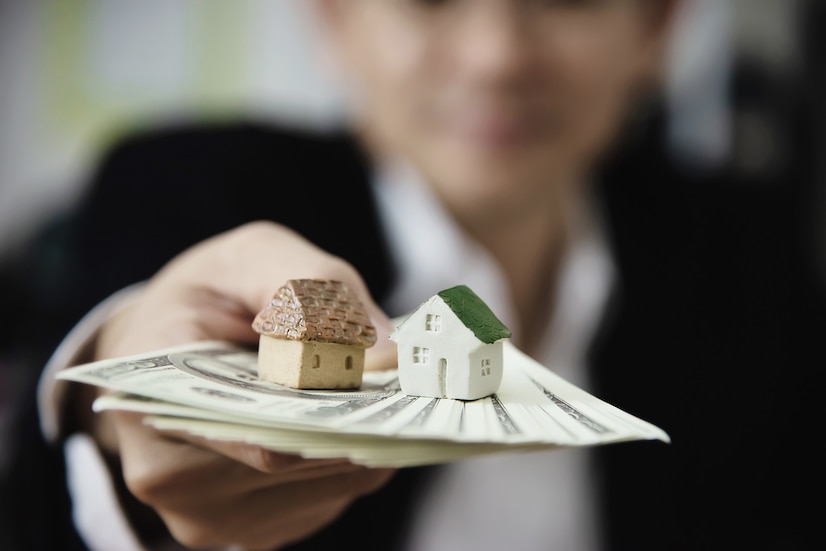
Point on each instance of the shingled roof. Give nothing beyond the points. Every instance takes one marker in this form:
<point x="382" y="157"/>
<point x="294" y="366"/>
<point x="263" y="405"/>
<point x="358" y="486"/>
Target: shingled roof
<point x="316" y="310"/>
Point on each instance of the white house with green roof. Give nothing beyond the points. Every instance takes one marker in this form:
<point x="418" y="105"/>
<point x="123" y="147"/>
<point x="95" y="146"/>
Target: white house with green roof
<point x="451" y="347"/>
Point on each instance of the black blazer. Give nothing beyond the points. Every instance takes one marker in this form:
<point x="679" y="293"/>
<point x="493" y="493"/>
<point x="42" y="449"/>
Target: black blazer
<point x="712" y="332"/>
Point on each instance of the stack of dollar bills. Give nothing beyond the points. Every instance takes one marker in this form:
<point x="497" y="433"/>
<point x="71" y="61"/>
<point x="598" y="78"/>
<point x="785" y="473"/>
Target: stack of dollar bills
<point x="212" y="389"/>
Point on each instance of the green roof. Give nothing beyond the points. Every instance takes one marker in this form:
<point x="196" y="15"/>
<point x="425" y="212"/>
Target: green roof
<point x="475" y="314"/>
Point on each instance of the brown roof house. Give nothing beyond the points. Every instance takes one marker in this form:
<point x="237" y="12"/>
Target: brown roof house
<point x="313" y="336"/>
<point x="451" y="346"/>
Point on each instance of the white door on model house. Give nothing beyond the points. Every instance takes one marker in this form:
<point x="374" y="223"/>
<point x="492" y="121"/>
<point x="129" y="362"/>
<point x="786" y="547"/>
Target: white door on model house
<point x="442" y="374"/>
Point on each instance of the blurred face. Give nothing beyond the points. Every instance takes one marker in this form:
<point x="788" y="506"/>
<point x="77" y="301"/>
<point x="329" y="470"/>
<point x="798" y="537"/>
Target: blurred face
<point x="495" y="101"/>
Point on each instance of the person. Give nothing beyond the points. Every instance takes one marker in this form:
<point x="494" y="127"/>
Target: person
<point x="491" y="148"/>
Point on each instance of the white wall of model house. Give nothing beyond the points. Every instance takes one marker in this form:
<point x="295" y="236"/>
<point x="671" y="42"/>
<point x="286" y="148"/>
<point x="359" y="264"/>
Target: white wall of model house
<point x="440" y="356"/>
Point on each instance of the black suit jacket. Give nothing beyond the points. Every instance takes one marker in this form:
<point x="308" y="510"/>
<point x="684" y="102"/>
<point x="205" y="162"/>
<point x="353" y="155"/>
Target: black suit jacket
<point x="713" y="331"/>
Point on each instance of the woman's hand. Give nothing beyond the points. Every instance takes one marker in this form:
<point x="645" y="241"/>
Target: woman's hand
<point x="230" y="493"/>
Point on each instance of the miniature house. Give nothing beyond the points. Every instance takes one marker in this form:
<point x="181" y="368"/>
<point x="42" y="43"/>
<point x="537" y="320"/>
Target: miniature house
<point x="451" y="347"/>
<point x="313" y="336"/>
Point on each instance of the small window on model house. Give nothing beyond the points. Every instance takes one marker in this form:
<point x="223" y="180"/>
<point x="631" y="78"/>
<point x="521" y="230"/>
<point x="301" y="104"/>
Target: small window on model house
<point x="485" y="366"/>
<point x="421" y="355"/>
<point x="433" y="322"/>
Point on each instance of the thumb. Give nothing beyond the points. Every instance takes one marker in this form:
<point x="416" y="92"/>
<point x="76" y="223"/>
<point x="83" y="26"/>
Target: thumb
<point x="252" y="261"/>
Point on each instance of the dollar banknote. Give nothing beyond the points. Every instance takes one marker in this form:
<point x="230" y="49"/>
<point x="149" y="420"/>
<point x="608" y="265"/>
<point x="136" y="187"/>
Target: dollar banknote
<point x="212" y="389"/>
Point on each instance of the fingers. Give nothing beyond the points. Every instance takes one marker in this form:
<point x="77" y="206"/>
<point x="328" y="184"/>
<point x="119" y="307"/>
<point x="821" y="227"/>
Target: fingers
<point x="270" y="516"/>
<point x="207" y="498"/>
<point x="143" y="447"/>
<point x="263" y="460"/>
<point x="153" y="458"/>
<point x="214" y="290"/>
<point x="238" y="272"/>
<point x="249" y="263"/>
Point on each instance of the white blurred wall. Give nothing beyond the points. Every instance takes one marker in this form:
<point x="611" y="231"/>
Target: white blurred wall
<point x="72" y="72"/>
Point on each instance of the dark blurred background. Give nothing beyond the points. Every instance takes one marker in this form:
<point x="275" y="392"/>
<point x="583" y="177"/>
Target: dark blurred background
<point x="75" y="74"/>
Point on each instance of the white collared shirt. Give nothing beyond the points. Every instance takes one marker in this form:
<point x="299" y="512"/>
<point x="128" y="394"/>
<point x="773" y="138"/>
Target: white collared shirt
<point x="538" y="501"/>
<point x="541" y="500"/>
